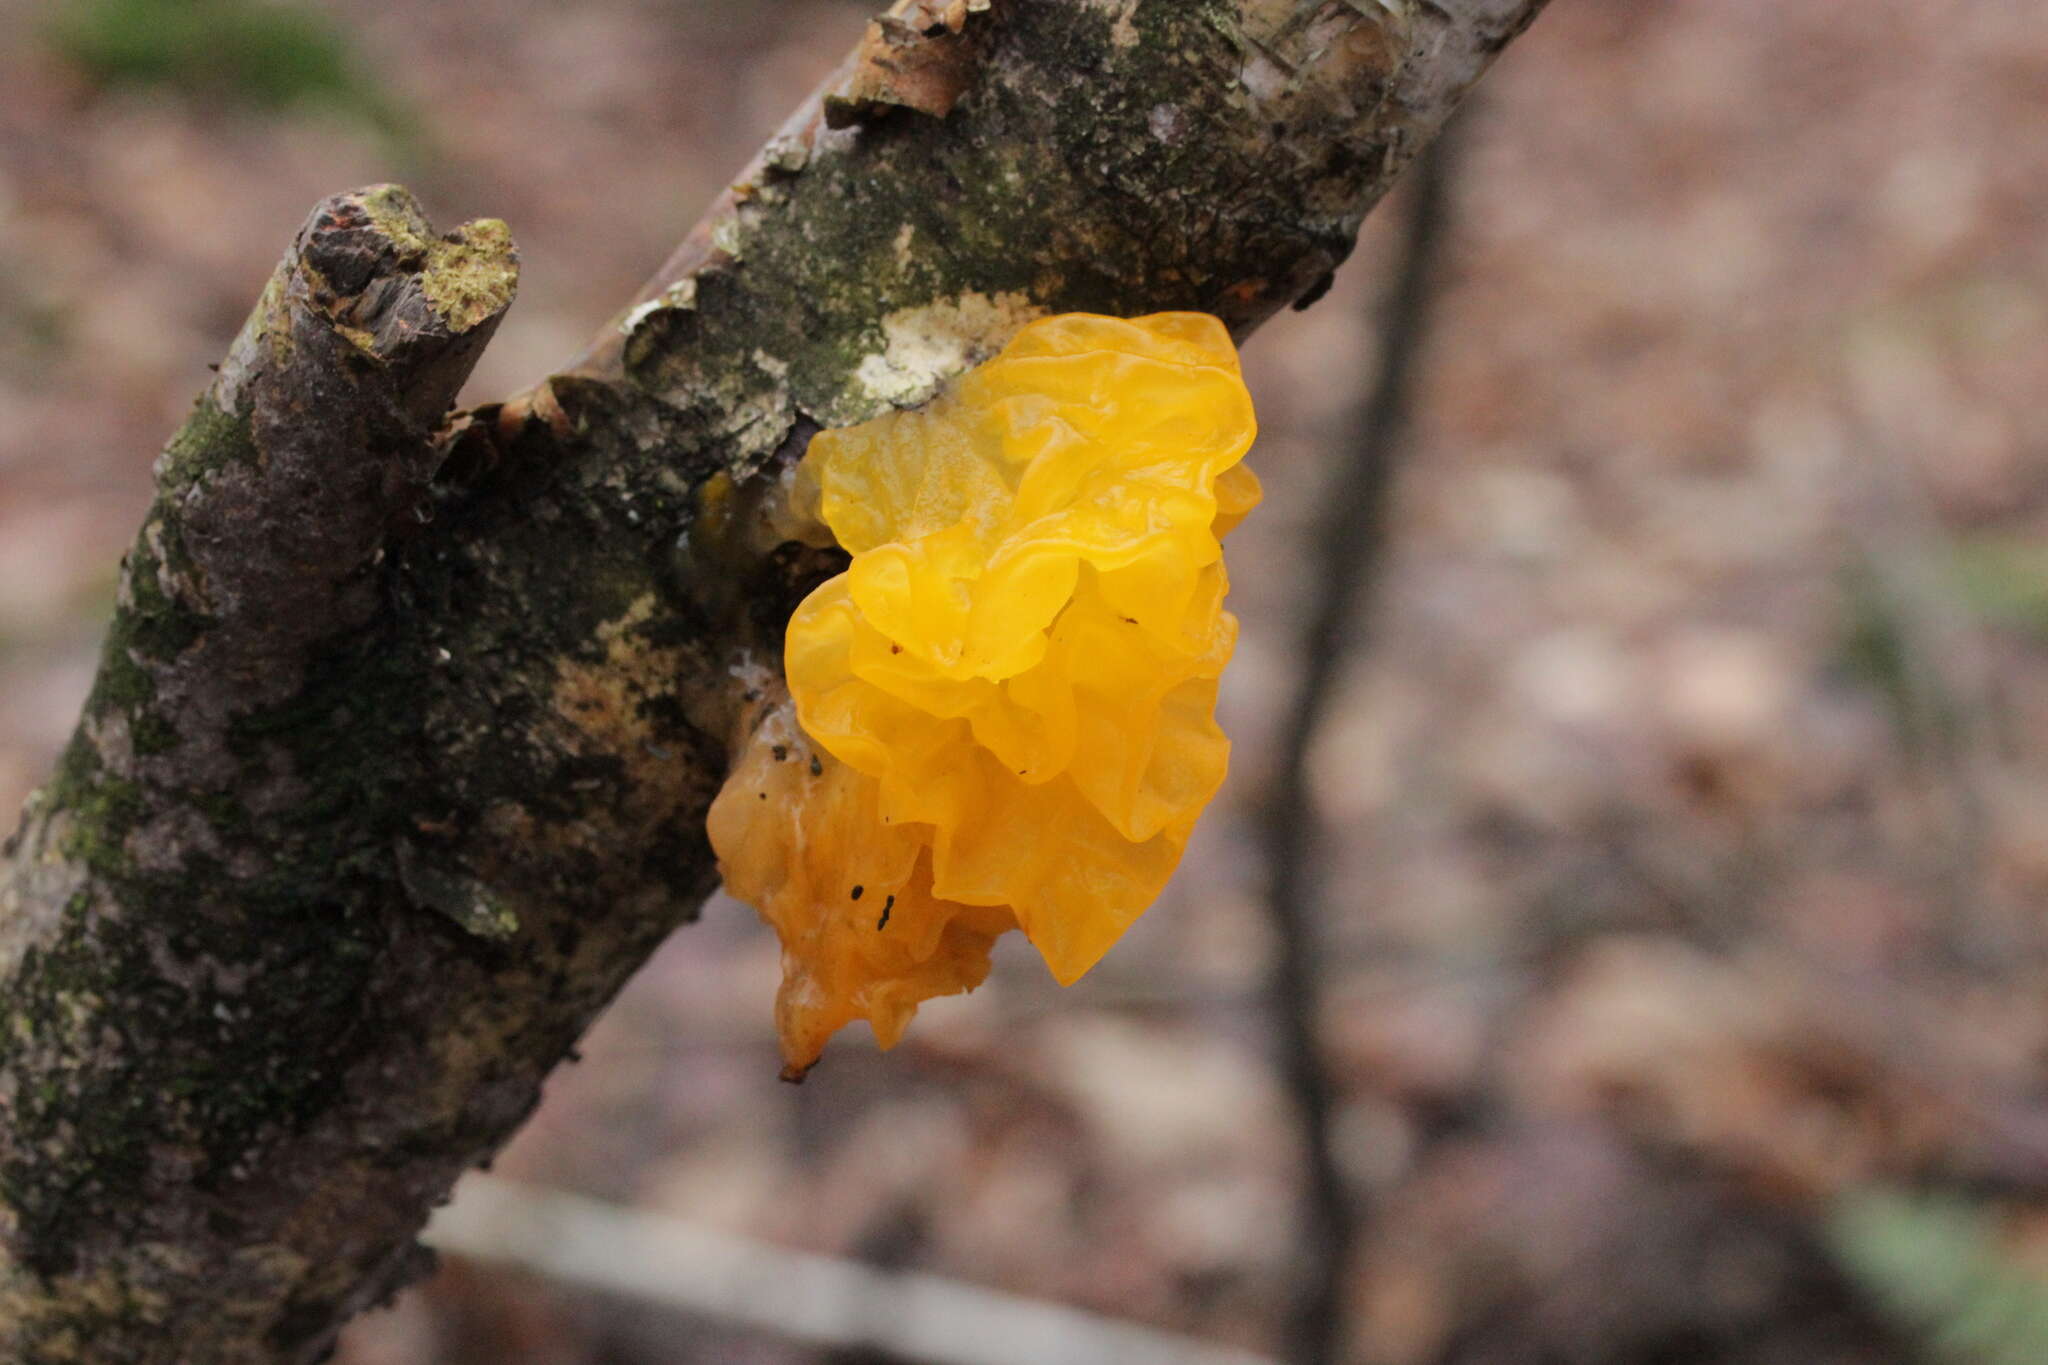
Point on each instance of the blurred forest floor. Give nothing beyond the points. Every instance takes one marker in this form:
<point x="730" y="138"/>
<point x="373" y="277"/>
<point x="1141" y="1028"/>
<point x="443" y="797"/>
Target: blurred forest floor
<point x="1686" y="813"/>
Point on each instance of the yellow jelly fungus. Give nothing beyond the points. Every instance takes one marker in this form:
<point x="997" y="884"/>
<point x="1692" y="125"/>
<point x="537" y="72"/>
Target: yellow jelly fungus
<point x="1003" y="711"/>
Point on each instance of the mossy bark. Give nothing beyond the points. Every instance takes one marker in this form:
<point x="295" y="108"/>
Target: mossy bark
<point x="398" y="758"/>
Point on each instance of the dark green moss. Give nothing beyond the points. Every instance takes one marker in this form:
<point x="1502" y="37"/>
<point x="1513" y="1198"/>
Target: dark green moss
<point x="211" y="1069"/>
<point x="156" y="627"/>
<point x="148" y="629"/>
<point x="122" y="685"/>
<point x="132" y="1045"/>
<point x="153" y="735"/>
<point x="347" y="735"/>
<point x="103" y="807"/>
<point x="209" y="440"/>
<point x="208" y="1068"/>
<point x="225" y="813"/>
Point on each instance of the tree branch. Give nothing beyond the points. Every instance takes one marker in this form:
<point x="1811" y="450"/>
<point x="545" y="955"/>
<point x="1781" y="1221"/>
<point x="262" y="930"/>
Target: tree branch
<point x="397" y="761"/>
<point x="1349" y="540"/>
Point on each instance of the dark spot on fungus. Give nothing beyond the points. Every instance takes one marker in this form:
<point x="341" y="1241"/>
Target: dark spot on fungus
<point x="883" y="922"/>
<point x="817" y="768"/>
<point x="895" y="648"/>
<point x="857" y="890"/>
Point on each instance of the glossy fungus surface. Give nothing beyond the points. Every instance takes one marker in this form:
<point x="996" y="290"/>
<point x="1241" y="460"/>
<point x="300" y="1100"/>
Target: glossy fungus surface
<point x="1002" y="713"/>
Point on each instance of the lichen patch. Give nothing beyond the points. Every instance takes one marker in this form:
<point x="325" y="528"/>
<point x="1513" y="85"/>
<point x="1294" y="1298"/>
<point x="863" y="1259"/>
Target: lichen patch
<point x="605" y="702"/>
<point x="926" y="346"/>
<point x="472" y="274"/>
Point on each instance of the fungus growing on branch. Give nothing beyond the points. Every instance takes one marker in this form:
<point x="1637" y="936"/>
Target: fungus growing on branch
<point x="1002" y="714"/>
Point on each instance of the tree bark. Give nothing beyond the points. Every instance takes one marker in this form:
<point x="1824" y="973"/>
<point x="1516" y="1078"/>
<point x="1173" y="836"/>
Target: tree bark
<point x="398" y="757"/>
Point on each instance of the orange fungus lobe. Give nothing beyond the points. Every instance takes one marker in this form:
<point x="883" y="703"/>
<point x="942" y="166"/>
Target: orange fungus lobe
<point x="1002" y="714"/>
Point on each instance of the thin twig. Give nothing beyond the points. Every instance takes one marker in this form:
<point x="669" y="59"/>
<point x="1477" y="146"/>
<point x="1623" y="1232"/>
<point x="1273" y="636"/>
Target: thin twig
<point x="802" y="1296"/>
<point x="1349" y="540"/>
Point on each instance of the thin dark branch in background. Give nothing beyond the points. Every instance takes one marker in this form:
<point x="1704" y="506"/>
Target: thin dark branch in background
<point x="1348" y="544"/>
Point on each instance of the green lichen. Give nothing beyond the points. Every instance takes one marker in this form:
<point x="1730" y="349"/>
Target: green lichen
<point x="471" y="274"/>
<point x="397" y="215"/>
